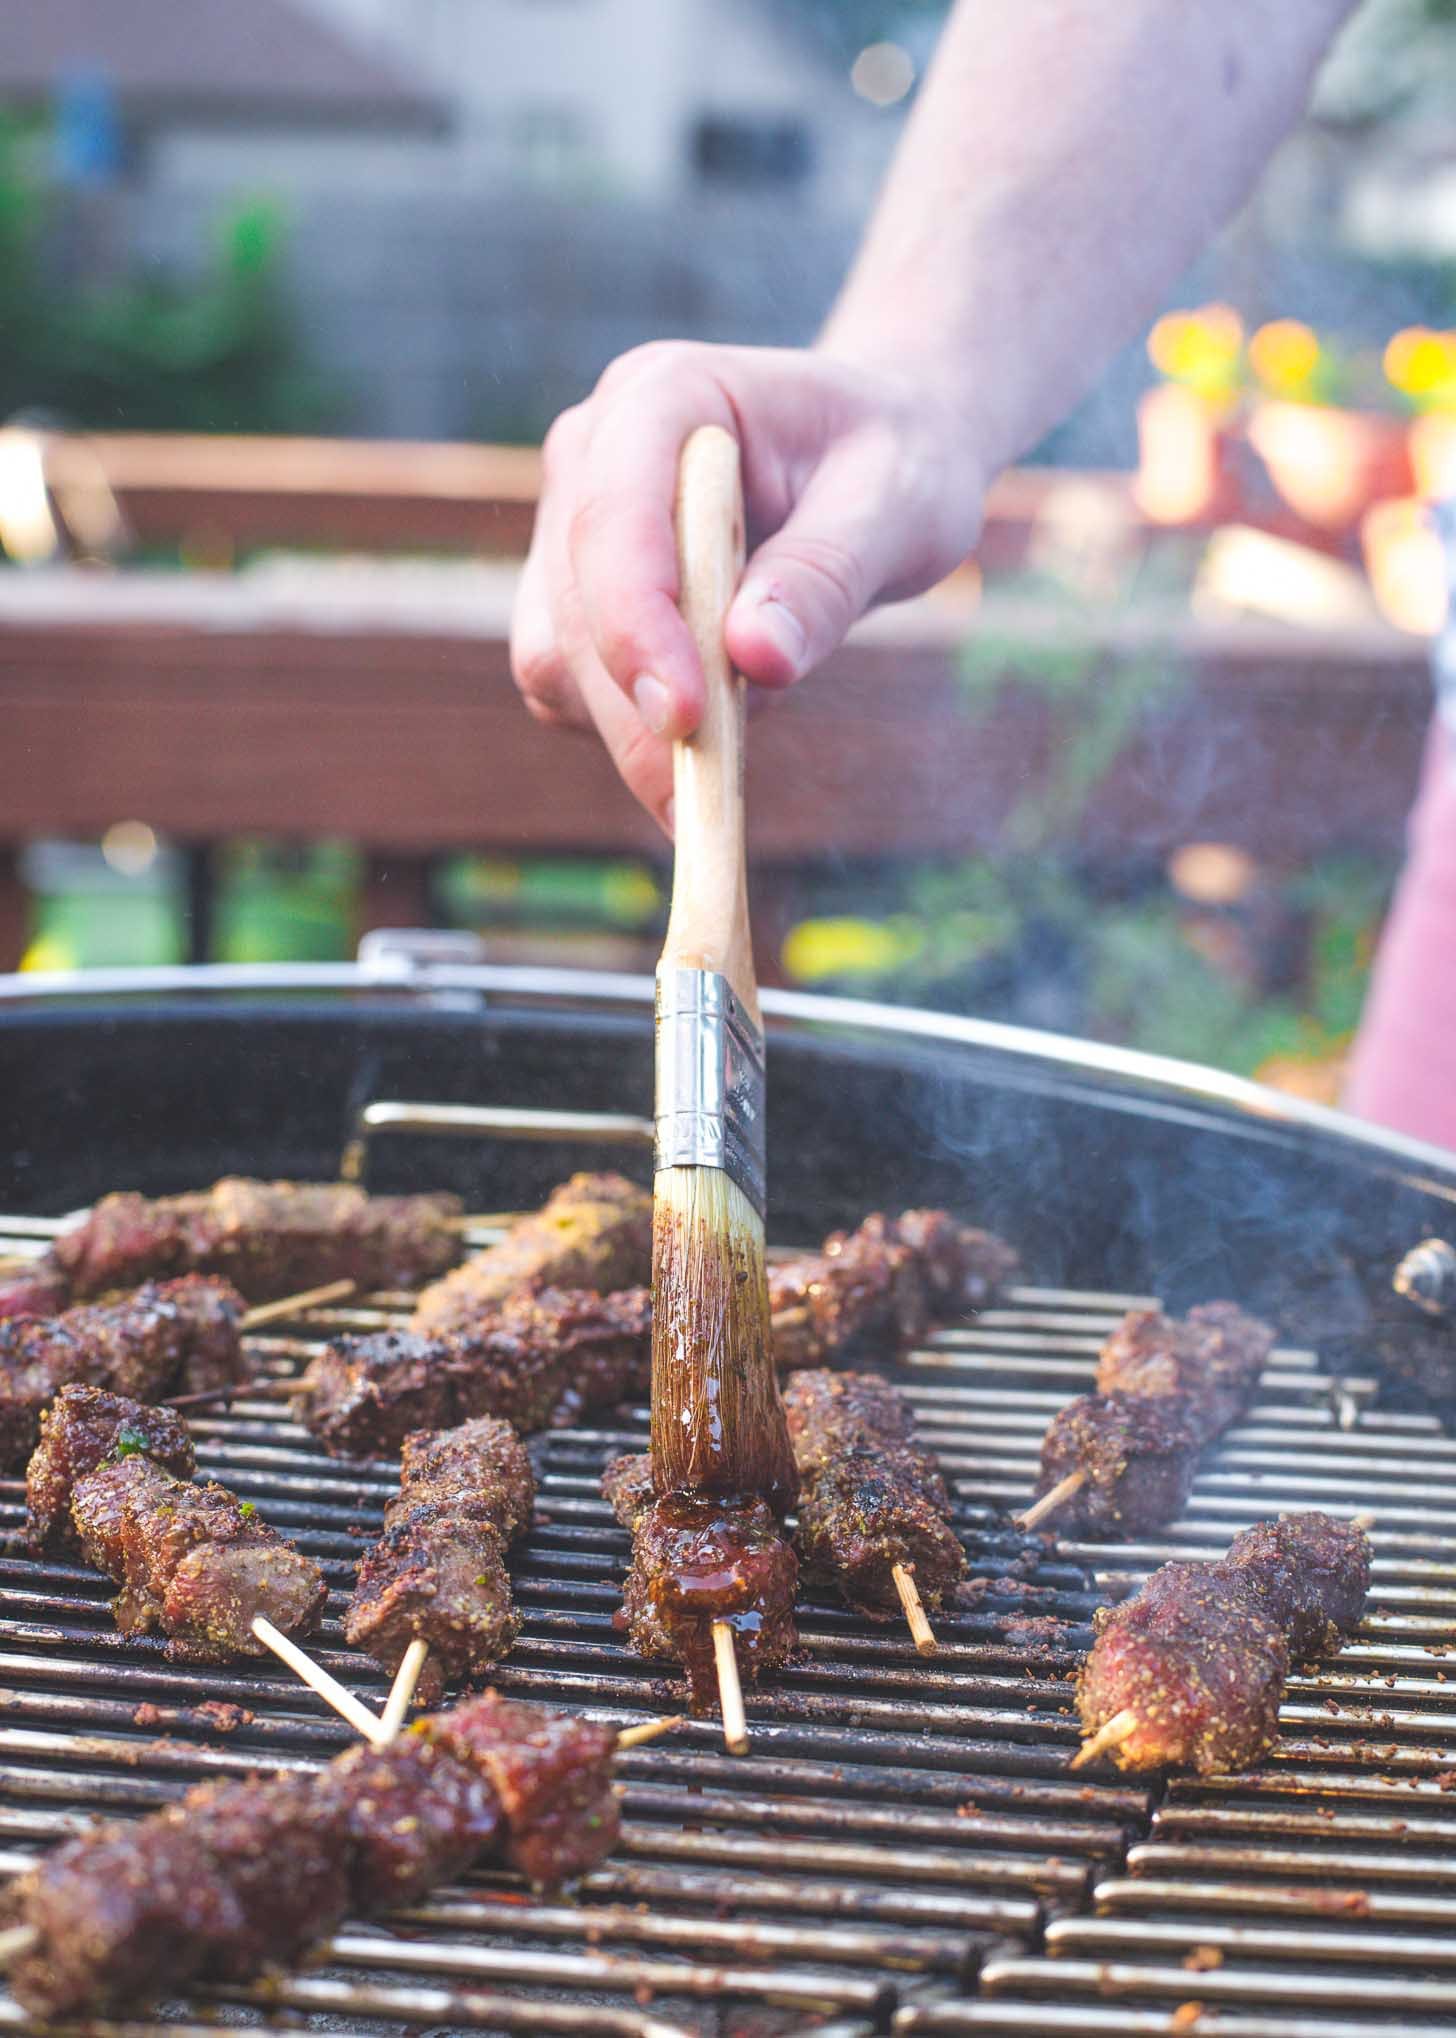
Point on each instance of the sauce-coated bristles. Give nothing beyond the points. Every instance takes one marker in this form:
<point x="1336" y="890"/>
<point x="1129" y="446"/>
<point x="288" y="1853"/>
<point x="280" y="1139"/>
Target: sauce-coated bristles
<point x="717" y="1418"/>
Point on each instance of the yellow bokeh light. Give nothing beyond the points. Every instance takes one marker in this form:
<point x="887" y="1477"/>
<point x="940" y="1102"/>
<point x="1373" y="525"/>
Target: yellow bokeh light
<point x="1200" y="348"/>
<point x="1284" y="354"/>
<point x="1419" y="362"/>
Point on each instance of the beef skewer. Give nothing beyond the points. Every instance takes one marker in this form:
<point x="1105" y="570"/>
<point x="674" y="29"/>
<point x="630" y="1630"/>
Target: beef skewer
<point x="168" y="1335"/>
<point x="193" y="1562"/>
<point x="267" y="1238"/>
<point x="1190" y="1672"/>
<point x="540" y="1358"/>
<point x="594" y="1231"/>
<point x="239" y="1875"/>
<point x="881" y="1285"/>
<point x="548" y="1356"/>
<point x="163" y="1336"/>
<point x="1124" y="1458"/>
<point x="874" y="1514"/>
<point x="437" y="1576"/>
<point x="711" y="1585"/>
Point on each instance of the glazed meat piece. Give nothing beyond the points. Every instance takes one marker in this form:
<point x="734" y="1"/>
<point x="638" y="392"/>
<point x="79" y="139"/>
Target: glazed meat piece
<point x="268" y="1238"/>
<point x="1213" y="1357"/>
<point x="1138" y="1454"/>
<point x="170" y="1337"/>
<point x="438" y="1572"/>
<point x="881" y="1284"/>
<point x="1191" y="1671"/>
<point x="540" y="1358"/>
<point x="81" y="1428"/>
<point x="193" y="1562"/>
<point x="1311" y="1574"/>
<point x="868" y="1497"/>
<point x="594" y="1231"/>
<point x="697" y="1559"/>
<point x="243" y="1874"/>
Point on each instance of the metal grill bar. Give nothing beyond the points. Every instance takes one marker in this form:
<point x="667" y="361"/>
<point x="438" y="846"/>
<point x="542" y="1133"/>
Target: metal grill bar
<point x="905" y="1845"/>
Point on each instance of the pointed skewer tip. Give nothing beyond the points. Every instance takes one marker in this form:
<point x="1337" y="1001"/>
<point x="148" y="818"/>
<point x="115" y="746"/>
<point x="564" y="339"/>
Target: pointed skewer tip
<point x="1111" y="1734"/>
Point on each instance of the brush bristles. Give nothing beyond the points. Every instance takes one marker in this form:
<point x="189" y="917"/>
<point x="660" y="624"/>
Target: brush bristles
<point x="717" y="1420"/>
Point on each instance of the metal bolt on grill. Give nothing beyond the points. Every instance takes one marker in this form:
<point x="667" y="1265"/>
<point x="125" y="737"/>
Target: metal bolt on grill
<point x="904" y="1848"/>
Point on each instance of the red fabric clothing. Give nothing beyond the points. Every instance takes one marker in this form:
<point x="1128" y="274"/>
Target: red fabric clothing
<point x="1403" y="1069"/>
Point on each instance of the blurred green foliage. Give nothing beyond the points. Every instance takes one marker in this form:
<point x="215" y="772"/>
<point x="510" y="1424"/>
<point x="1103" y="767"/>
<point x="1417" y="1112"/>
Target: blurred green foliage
<point x="214" y="353"/>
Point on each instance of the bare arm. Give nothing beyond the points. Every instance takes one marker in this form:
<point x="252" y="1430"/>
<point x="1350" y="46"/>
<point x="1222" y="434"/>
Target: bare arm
<point x="1064" y="162"/>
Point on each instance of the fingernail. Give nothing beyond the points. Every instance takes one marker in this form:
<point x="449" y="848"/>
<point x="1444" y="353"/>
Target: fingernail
<point x="653" y="703"/>
<point x="784" y="629"/>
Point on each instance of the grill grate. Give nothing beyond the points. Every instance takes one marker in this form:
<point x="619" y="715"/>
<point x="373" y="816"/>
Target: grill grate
<point x="904" y="1847"/>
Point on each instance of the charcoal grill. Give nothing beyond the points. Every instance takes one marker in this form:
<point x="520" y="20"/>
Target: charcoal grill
<point x="904" y="1849"/>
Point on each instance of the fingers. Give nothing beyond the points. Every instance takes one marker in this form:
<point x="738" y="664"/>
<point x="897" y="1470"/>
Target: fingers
<point x="623" y="553"/>
<point x="843" y="543"/>
<point x="555" y="665"/>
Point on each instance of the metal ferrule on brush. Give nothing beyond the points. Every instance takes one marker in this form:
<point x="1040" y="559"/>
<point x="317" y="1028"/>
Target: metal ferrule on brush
<point x="710" y="1081"/>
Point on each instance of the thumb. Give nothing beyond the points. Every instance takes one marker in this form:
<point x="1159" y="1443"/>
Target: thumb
<point x="817" y="575"/>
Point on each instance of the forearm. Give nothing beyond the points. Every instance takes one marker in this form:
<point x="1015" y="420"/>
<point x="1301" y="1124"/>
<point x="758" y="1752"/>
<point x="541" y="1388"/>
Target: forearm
<point x="1065" y="162"/>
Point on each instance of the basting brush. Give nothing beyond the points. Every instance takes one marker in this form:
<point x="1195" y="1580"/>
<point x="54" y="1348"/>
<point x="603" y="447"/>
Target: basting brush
<point x="718" y="1424"/>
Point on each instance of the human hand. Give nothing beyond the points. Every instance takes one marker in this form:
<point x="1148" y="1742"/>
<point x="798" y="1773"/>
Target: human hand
<point x="859" y="487"/>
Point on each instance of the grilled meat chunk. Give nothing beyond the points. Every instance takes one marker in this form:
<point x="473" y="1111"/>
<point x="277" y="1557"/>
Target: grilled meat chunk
<point x="1199" y="1661"/>
<point x="413" y="1815"/>
<point x="170" y="1337"/>
<point x="1311" y="1574"/>
<point x="267" y="1238"/>
<point x="868" y="1497"/>
<point x="193" y="1562"/>
<point x="1138" y="1454"/>
<point x="242" y="1874"/>
<point x="1213" y="1358"/>
<point x="880" y="1285"/>
<point x="541" y="1358"/>
<point x="438" y="1572"/>
<point x="594" y="1231"/>
<point x="39" y="1290"/>
<point x="1165" y="1388"/>
<point x="551" y="1774"/>
<point x="82" y="1427"/>
<point x="1196" y="1662"/>
<point x="697" y="1559"/>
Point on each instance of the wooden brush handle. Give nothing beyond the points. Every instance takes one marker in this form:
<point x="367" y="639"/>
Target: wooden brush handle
<point x="708" y="925"/>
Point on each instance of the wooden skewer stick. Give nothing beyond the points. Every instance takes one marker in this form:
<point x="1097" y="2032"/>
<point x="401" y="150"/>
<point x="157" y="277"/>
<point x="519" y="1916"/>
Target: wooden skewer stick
<point x="649" y="1730"/>
<point x="15" y="1943"/>
<point x="921" y="1631"/>
<point x="730" y="1691"/>
<point x="1050" y="1502"/>
<point x="318" y="1679"/>
<point x="486" y="1220"/>
<point x="237" y="1390"/>
<point x="402" y="1691"/>
<point x="1111" y="1734"/>
<point x="1363" y="1522"/>
<point x="291" y="1305"/>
